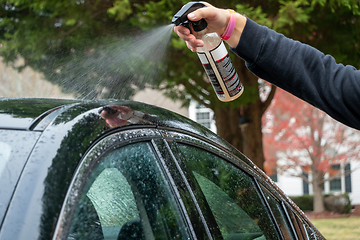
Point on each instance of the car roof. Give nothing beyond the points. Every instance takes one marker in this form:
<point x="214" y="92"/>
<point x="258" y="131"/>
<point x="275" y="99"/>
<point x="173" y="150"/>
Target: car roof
<point x="35" y="114"/>
<point x="38" y="114"/>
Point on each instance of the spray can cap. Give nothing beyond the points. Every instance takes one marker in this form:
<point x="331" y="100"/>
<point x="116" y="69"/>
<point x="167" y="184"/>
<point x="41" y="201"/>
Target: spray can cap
<point x="180" y="18"/>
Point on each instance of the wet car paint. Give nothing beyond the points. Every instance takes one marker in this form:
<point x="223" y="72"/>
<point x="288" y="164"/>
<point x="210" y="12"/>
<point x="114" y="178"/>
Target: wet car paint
<point x="65" y="131"/>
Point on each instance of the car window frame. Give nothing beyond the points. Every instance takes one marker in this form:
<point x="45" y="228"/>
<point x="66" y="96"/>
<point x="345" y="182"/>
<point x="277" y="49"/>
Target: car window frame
<point x="164" y="156"/>
<point x="196" y="216"/>
<point x="297" y="223"/>
<point x="283" y="209"/>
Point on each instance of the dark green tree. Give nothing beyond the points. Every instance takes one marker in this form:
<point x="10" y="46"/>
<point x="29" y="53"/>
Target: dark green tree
<point x="97" y="49"/>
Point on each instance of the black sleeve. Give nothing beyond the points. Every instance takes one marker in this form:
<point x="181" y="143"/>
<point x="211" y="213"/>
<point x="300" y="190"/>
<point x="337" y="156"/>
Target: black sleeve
<point x="303" y="71"/>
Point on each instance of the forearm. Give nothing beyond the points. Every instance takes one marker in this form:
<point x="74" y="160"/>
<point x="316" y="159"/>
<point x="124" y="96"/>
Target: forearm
<point x="302" y="71"/>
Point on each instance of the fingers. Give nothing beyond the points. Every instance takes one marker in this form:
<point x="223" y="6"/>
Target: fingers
<point x="207" y="13"/>
<point x="193" y="45"/>
<point x="191" y="41"/>
<point x="183" y="32"/>
<point x="217" y="19"/>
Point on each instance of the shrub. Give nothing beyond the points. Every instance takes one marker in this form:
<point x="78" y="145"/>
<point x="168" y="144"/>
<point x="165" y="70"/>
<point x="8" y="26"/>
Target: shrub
<point x="339" y="203"/>
<point x="304" y="202"/>
<point x="334" y="203"/>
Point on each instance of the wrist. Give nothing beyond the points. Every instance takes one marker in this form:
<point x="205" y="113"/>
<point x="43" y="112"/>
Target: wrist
<point x="230" y="26"/>
<point x="234" y="39"/>
<point x="225" y="22"/>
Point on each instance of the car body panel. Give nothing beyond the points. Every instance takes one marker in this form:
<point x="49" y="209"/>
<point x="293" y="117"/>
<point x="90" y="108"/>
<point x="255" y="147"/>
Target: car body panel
<point x="22" y="113"/>
<point x="67" y="131"/>
<point x="12" y="161"/>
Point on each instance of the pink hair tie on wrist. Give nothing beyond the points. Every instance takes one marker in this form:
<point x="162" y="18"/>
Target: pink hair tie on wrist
<point x="230" y="27"/>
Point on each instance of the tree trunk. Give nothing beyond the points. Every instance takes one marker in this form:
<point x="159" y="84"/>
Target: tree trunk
<point x="252" y="133"/>
<point x="227" y="125"/>
<point x="318" y="191"/>
<point x="247" y="138"/>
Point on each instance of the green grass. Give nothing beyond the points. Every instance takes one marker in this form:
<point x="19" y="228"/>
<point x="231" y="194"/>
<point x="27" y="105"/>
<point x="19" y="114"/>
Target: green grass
<point x="339" y="228"/>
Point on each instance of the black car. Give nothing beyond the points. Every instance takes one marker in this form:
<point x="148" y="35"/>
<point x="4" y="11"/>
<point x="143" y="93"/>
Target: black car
<point x="114" y="169"/>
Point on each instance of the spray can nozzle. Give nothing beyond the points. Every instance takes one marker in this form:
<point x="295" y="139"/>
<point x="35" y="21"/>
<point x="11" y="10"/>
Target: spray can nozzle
<point x="180" y="18"/>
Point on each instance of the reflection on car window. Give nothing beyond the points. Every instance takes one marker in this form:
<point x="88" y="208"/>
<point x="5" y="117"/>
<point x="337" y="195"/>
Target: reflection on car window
<point x="126" y="197"/>
<point x="230" y="194"/>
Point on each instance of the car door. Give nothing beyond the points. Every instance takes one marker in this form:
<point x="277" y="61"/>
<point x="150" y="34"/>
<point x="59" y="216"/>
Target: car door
<point x="161" y="184"/>
<point x="120" y="191"/>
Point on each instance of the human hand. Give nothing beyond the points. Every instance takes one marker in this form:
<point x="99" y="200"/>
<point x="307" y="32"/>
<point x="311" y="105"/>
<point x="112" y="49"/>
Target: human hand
<point x="217" y="20"/>
<point x="114" y="115"/>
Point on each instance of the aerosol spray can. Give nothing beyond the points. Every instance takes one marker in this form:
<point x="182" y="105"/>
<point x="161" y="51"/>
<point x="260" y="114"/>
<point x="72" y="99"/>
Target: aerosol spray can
<point x="213" y="55"/>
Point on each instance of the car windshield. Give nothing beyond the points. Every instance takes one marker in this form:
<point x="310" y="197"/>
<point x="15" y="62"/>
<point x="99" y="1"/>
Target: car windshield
<point x="12" y="161"/>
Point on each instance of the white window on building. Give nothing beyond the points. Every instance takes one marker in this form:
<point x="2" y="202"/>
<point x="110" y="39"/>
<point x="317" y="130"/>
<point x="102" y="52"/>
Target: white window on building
<point x="203" y="118"/>
<point x="335" y="184"/>
<point x="202" y="115"/>
<point x="342" y="183"/>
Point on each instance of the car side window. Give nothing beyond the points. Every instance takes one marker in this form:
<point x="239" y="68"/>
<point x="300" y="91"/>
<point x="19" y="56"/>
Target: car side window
<point x="230" y="194"/>
<point x="126" y="197"/>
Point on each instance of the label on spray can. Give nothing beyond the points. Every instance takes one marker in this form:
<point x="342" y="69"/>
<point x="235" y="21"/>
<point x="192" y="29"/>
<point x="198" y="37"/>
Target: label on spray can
<point x="220" y="57"/>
